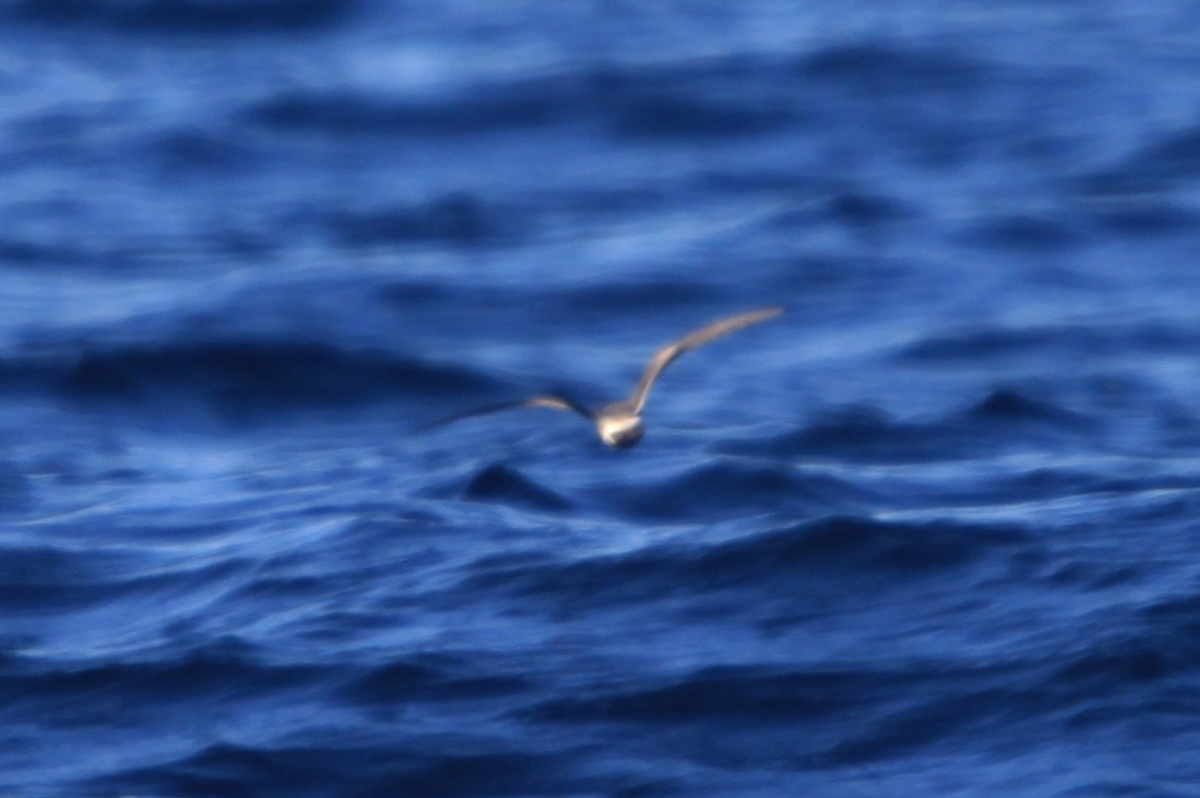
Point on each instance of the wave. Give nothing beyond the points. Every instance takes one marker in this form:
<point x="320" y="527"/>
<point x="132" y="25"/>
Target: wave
<point x="503" y="485"/>
<point x="197" y="153"/>
<point x="1027" y="233"/>
<point x="1005" y="418"/>
<point x="240" y="378"/>
<point x="44" y="578"/>
<point x="192" y="17"/>
<point x="1172" y="626"/>
<point x="1093" y="341"/>
<point x="718" y="694"/>
<point x="15" y="491"/>
<point x="884" y="68"/>
<point x="862" y="432"/>
<point x="819" y="552"/>
<point x="693" y="101"/>
<point x="222" y="667"/>
<point x="854" y="713"/>
<point x="1006" y="406"/>
<point x="1172" y="158"/>
<point x="458" y="219"/>
<point x="432" y="678"/>
<point x="598" y="304"/>
<point x="1144" y="192"/>
<point x="707" y="492"/>
<point x="757" y="714"/>
<point x="337" y="767"/>
<point x="28" y="252"/>
<point x="41" y="575"/>
<point x="801" y="719"/>
<point x="733" y="487"/>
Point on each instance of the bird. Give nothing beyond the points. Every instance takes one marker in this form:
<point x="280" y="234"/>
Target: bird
<point x="619" y="424"/>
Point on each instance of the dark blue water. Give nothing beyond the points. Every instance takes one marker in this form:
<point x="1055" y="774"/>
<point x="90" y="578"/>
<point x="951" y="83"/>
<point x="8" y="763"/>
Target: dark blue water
<point x="935" y="531"/>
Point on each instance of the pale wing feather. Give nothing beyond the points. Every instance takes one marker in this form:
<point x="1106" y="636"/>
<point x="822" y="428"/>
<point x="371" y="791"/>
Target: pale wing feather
<point x="557" y="403"/>
<point x="700" y="337"/>
<point x="552" y="402"/>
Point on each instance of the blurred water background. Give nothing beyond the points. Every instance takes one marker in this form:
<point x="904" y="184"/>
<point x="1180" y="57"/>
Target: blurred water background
<point x="935" y="531"/>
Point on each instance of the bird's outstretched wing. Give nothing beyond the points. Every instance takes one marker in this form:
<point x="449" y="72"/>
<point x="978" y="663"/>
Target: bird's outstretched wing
<point x="698" y="338"/>
<point x="553" y="402"/>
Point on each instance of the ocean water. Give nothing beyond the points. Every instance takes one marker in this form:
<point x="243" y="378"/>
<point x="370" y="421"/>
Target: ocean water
<point x="933" y="531"/>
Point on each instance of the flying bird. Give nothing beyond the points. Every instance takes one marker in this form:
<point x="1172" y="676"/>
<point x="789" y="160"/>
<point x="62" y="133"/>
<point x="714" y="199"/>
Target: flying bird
<point x="619" y="423"/>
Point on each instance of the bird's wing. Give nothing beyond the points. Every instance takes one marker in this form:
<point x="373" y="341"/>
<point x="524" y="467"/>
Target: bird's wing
<point x="553" y="402"/>
<point x="698" y="338"/>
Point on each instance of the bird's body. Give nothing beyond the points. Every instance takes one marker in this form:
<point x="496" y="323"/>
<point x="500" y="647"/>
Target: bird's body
<point x="620" y="423"/>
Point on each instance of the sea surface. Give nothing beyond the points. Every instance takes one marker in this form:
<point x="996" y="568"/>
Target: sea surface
<point x="933" y="531"/>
